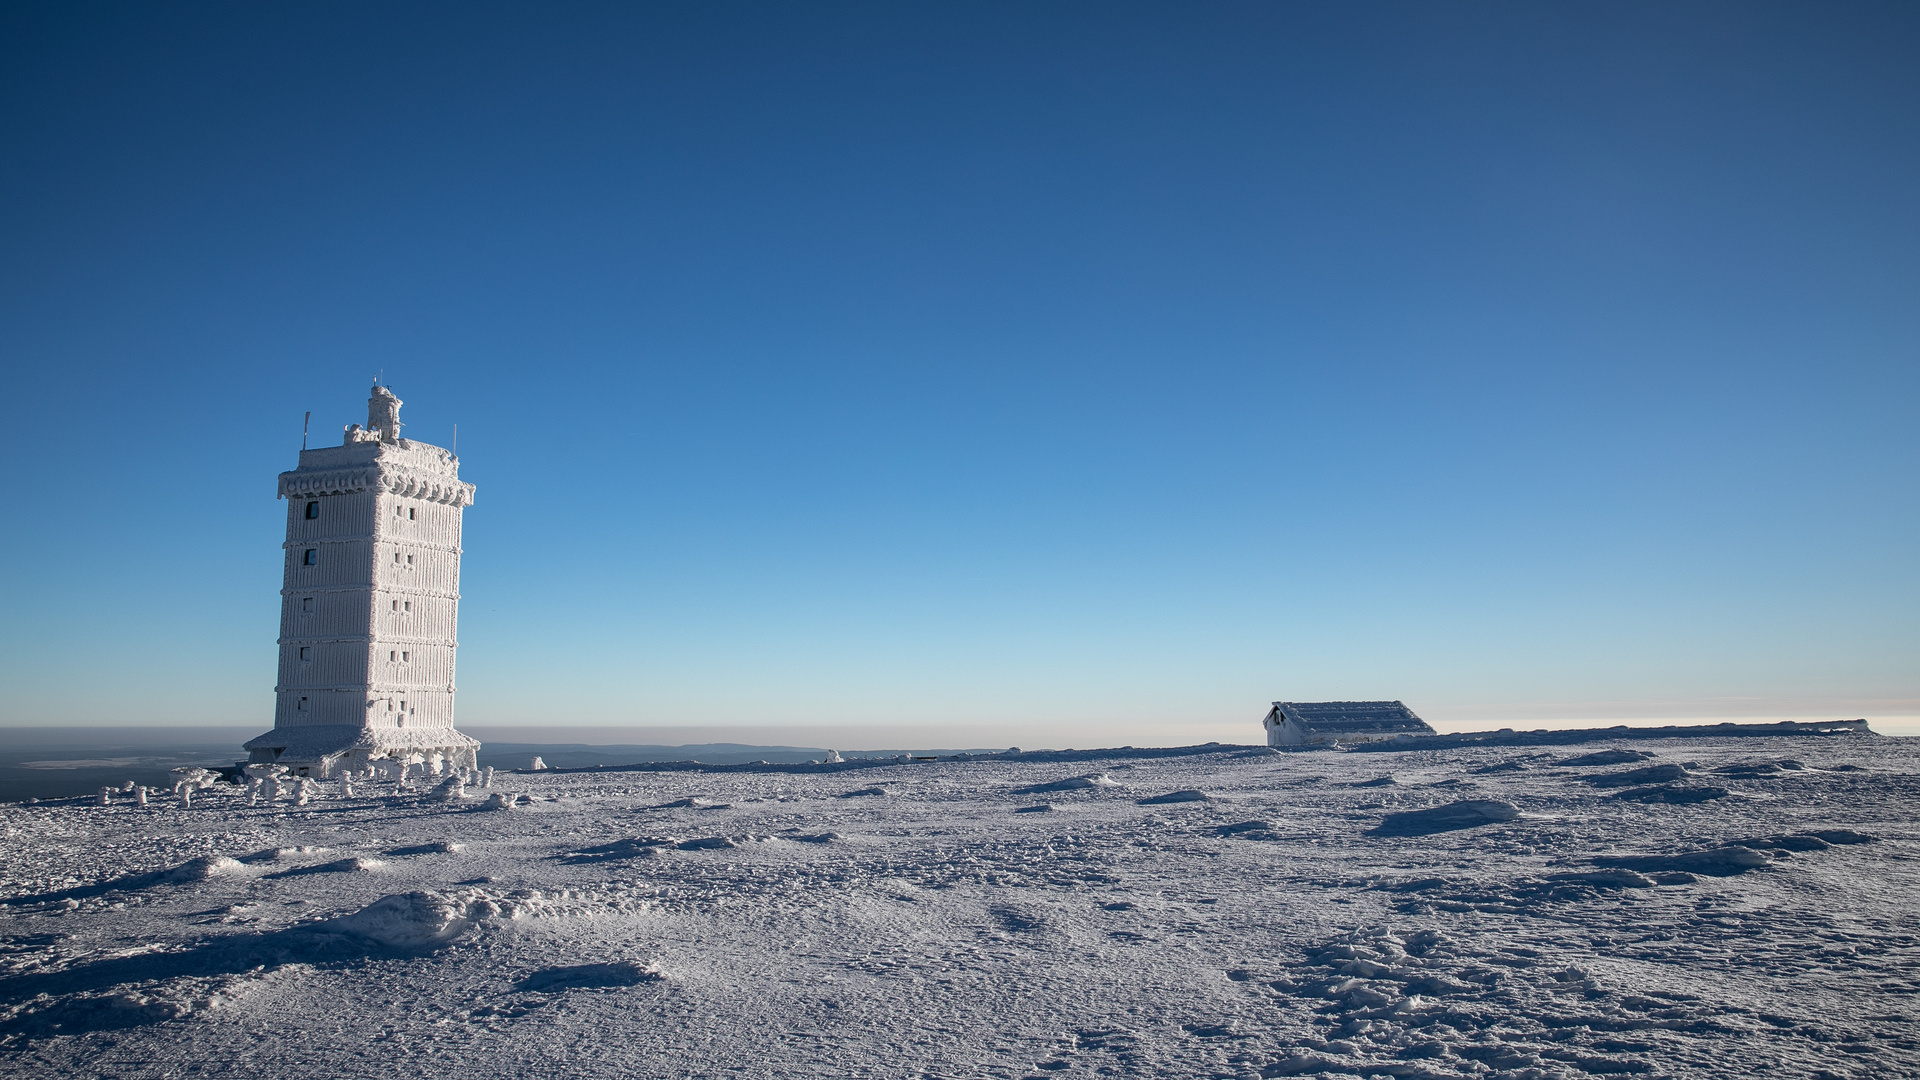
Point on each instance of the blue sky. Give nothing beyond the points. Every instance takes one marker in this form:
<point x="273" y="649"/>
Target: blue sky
<point x="1044" y="368"/>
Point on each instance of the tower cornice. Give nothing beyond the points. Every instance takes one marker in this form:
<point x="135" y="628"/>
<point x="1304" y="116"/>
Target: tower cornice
<point x="394" y="479"/>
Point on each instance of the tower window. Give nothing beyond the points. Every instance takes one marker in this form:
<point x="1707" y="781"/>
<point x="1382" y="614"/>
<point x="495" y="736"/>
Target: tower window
<point x="313" y="510"/>
<point x="409" y="560"/>
<point x="311" y="558"/>
<point x="406" y="658"/>
<point x="409" y="605"/>
<point x="300" y="705"/>
<point x="306" y="652"/>
<point x="396" y="556"/>
<point x="396" y="605"/>
<point x="409" y="513"/>
<point x="392" y="655"/>
<point x="306" y="605"/>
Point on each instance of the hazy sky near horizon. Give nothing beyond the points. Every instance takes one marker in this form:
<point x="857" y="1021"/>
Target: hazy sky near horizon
<point x="1039" y="366"/>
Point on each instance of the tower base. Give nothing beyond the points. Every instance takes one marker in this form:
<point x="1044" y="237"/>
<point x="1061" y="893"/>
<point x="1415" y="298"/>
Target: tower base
<point x="325" y="749"/>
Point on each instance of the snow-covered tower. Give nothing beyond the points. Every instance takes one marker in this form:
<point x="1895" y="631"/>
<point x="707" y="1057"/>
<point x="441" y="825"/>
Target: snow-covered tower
<point x="370" y="603"/>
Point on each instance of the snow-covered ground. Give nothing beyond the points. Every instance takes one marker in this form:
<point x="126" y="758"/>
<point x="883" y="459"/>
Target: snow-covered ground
<point x="958" y="919"/>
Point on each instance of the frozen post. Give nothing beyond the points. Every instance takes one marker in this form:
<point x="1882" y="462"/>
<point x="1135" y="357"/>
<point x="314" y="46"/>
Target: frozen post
<point x="257" y="775"/>
<point x="106" y="796"/>
<point x="186" y="795"/>
<point x="488" y="781"/>
<point x="140" y="794"/>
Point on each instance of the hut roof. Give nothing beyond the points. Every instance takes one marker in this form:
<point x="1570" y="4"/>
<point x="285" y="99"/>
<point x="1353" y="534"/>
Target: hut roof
<point x="1353" y="717"/>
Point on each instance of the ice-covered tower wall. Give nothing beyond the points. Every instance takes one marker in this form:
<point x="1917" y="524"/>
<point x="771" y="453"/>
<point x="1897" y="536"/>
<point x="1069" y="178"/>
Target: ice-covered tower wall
<point x="370" y="602"/>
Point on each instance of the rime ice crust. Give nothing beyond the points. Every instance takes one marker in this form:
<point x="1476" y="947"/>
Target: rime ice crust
<point x="370" y="603"/>
<point x="752" y="922"/>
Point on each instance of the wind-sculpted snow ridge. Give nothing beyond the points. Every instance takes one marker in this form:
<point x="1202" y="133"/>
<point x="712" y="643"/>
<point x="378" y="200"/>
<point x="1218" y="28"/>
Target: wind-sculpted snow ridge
<point x="424" y="919"/>
<point x="1225" y="912"/>
<point x="1574" y="736"/>
<point x="858" y="764"/>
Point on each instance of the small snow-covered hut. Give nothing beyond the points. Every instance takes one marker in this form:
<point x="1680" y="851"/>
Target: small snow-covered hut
<point x="1326" y="723"/>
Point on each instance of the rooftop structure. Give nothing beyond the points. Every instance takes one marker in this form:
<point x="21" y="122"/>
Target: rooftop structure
<point x="1326" y="723"/>
<point x="369" y="605"/>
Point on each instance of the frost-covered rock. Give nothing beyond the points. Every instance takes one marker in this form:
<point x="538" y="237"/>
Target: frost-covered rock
<point x="1608" y="879"/>
<point x="1466" y="814"/>
<point x="1715" y="862"/>
<point x="1188" y="795"/>
<point x="1076" y="783"/>
<point x="353" y="865"/>
<point x="411" y="920"/>
<point x="203" y="868"/>
<point x="1605" y="757"/>
<point x="424" y="919"/>
<point x="536" y="764"/>
<point x="499" y="800"/>
<point x="1675" y="794"/>
<point x="452" y="789"/>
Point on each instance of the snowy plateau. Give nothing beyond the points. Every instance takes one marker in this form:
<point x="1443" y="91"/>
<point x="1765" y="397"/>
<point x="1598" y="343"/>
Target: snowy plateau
<point x="1682" y="907"/>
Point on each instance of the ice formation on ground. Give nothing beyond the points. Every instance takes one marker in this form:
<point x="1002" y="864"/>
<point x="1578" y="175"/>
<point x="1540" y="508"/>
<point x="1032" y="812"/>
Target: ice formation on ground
<point x="1218" y="912"/>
